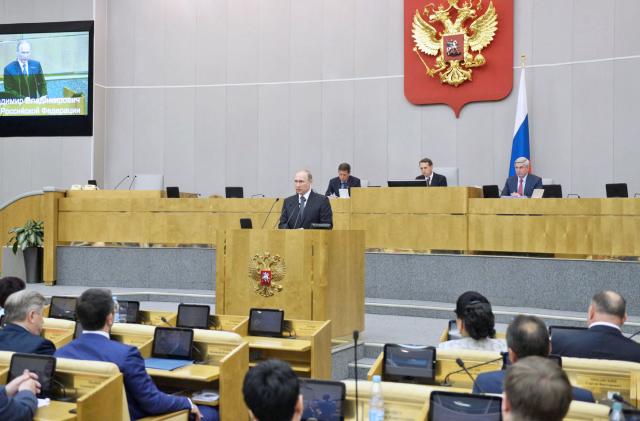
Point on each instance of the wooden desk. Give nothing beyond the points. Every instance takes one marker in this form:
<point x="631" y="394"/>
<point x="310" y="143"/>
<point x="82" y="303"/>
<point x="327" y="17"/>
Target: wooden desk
<point x="56" y="411"/>
<point x="193" y="372"/>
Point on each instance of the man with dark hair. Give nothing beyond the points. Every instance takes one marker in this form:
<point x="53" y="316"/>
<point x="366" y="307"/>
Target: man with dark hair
<point x="526" y="336"/>
<point x="431" y="178"/>
<point x="344" y="180"/>
<point x="95" y="311"/>
<point x="306" y="207"/>
<point x="9" y="285"/>
<point x="23" y="324"/>
<point x="604" y="339"/>
<point x="536" y="389"/>
<point x="272" y="392"/>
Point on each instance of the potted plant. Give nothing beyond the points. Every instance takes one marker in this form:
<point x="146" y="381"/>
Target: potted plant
<point x="29" y="238"/>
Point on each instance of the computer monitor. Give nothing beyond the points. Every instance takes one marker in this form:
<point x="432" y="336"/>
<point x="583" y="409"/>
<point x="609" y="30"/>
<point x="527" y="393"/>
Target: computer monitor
<point x="266" y="322"/>
<point x="406" y="183"/>
<point x="129" y="311"/>
<point x="452" y="406"/>
<point x="409" y="364"/>
<point x="491" y="191"/>
<point x="234" y="192"/>
<point x="323" y="400"/>
<point x="78" y="330"/>
<point x="453" y="332"/>
<point x="172" y="343"/>
<point x="92" y="182"/>
<point x="195" y="316"/>
<point x="246" y="224"/>
<point x="42" y="365"/>
<point x="173" y="192"/>
<point x="63" y="308"/>
<point x="552" y="191"/>
<point x="631" y="414"/>
<point x="617" y="190"/>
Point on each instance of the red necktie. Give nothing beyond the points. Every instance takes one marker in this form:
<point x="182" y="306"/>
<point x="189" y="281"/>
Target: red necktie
<point x="520" y="192"/>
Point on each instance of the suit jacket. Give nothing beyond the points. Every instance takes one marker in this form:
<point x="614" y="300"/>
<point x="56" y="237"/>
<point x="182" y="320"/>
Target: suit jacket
<point x="20" y="86"/>
<point x="18" y="339"/>
<point x="21" y="407"/>
<point x="493" y="381"/>
<point x="601" y="342"/>
<point x="334" y="185"/>
<point x="511" y="185"/>
<point x="317" y="210"/>
<point x="437" y="180"/>
<point x="143" y="396"/>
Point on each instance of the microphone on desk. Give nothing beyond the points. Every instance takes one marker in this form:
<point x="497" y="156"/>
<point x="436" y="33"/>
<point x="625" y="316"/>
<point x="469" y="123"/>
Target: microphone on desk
<point x="618" y="398"/>
<point x="446" y="378"/>
<point x="133" y="181"/>
<point x="165" y="321"/>
<point x="269" y="213"/>
<point x="286" y="224"/>
<point x="356" y="334"/>
<point x="120" y="182"/>
<point x="473" y="379"/>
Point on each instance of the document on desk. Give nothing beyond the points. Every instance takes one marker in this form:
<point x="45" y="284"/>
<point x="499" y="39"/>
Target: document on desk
<point x="165" y="363"/>
<point x="44" y="402"/>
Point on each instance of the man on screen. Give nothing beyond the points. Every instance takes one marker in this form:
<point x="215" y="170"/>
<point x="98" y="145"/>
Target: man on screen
<point x="24" y="78"/>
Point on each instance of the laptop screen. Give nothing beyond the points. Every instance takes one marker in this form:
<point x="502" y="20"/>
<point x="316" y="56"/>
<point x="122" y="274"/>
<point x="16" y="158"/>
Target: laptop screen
<point x="266" y="322"/>
<point x="63" y="308"/>
<point x="323" y="400"/>
<point x="129" y="311"/>
<point x="409" y="363"/>
<point x="450" y="406"/>
<point x="174" y="343"/>
<point x="43" y="365"/>
<point x="193" y="316"/>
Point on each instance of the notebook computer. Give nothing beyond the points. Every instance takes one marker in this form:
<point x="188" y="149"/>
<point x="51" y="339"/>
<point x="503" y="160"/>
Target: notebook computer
<point x="552" y="191"/>
<point x="63" y="308"/>
<point x="234" y="192"/>
<point x="617" y="190"/>
<point x="491" y="191"/>
<point x="266" y="322"/>
<point x="406" y="183"/>
<point x="323" y="400"/>
<point x="409" y="364"/>
<point x="171" y="348"/>
<point x="43" y="365"/>
<point x="452" y="406"/>
<point x="194" y="316"/>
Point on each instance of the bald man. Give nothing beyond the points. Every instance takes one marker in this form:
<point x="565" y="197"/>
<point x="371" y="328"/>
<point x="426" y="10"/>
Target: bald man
<point x="306" y="207"/>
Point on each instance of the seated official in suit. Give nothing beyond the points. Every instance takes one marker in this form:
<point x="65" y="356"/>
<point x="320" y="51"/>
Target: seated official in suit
<point x="24" y="321"/>
<point x="604" y="339"/>
<point x="9" y="285"/>
<point x="18" y="400"/>
<point x="431" y="178"/>
<point x="306" y="206"/>
<point x="476" y="323"/>
<point x="526" y="336"/>
<point x="344" y="180"/>
<point x="95" y="311"/>
<point x="272" y="392"/>
<point x="536" y="389"/>
<point x="522" y="184"/>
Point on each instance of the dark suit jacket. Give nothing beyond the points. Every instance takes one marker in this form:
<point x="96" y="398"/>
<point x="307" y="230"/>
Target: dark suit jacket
<point x="334" y="185"/>
<point x="143" y="396"/>
<point x="17" y="84"/>
<point x="437" y="180"/>
<point x="493" y="381"/>
<point x="601" y="342"/>
<point x="317" y="210"/>
<point x="18" y="339"/>
<point x="511" y="185"/>
<point x="21" y="407"/>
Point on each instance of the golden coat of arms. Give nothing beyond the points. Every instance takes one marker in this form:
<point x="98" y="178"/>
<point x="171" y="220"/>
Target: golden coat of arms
<point x="266" y="272"/>
<point x="457" y="42"/>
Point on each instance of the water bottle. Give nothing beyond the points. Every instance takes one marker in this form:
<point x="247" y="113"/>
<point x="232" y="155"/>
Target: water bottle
<point x="616" y="412"/>
<point x="376" y="404"/>
<point x="116" y="308"/>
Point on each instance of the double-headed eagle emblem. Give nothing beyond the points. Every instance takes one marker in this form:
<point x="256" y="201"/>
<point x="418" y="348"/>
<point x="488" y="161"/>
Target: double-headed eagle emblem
<point x="266" y="272"/>
<point x="456" y="44"/>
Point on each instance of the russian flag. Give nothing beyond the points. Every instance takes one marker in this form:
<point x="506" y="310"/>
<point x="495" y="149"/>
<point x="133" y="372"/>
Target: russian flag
<point x="520" y="146"/>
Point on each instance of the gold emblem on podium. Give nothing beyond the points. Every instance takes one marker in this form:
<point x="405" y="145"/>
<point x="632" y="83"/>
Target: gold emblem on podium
<point x="266" y="272"/>
<point x="456" y="44"/>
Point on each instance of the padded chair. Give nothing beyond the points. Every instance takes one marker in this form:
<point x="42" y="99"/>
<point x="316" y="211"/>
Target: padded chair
<point x="450" y="172"/>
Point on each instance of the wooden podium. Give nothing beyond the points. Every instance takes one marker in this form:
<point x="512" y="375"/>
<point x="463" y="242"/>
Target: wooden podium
<point x="323" y="275"/>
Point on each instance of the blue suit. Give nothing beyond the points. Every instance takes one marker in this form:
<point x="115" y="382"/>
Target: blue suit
<point x="601" y="342"/>
<point x="18" y="339"/>
<point x="19" y="85"/>
<point x="532" y="182"/>
<point x="143" y="397"/>
<point x="335" y="183"/>
<point x="21" y="407"/>
<point x="493" y="381"/>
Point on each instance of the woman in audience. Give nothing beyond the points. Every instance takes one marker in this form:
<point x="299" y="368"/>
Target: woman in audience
<point x="8" y="286"/>
<point x="476" y="324"/>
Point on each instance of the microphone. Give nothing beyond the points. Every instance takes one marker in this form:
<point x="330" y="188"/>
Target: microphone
<point x="446" y="378"/>
<point x="473" y="379"/>
<point x="286" y="224"/>
<point x="638" y="332"/>
<point x="297" y="215"/>
<point x="269" y="213"/>
<point x="165" y="321"/>
<point x="618" y="398"/>
<point x="133" y="181"/>
<point x="356" y="334"/>
<point x="257" y="195"/>
<point x="120" y="182"/>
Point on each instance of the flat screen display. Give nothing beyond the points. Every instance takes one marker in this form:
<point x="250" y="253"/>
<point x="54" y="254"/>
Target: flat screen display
<point x="322" y="400"/>
<point x="409" y="363"/>
<point x="129" y="311"/>
<point x="46" y="87"/>
<point x="43" y="365"/>
<point x="172" y="343"/>
<point x="193" y="316"/>
<point x="450" y="406"/>
<point x="266" y="322"/>
<point x="63" y="308"/>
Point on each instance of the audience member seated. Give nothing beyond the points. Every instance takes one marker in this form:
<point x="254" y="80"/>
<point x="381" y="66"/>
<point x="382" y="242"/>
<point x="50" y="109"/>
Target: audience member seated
<point x="476" y="324"/>
<point x="535" y="389"/>
<point x="604" y="339"/>
<point x="95" y="311"/>
<point x="9" y="285"/>
<point x="272" y="392"/>
<point x="18" y="400"/>
<point x="526" y="336"/>
<point x="24" y="320"/>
